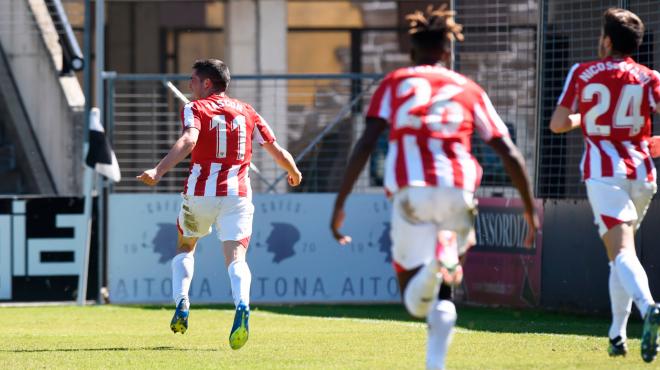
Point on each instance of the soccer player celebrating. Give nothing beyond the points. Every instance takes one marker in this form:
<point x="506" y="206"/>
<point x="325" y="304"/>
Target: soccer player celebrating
<point x="430" y="172"/>
<point x="218" y="131"/>
<point x="614" y="98"/>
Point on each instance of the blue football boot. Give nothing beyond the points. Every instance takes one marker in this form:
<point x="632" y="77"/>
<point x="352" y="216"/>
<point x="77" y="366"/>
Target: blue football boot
<point x="239" y="331"/>
<point x="650" y="333"/>
<point x="179" y="323"/>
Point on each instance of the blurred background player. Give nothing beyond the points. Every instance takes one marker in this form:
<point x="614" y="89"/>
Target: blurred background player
<point x="218" y="131"/>
<point x="615" y="98"/>
<point x="430" y="173"/>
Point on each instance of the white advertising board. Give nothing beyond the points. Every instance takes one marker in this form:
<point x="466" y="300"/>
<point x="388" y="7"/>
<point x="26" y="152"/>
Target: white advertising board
<point x="292" y="254"/>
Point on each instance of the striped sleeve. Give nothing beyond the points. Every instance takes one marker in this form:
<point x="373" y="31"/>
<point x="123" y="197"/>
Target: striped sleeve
<point x="190" y="117"/>
<point x="655" y="91"/>
<point x="568" y="97"/>
<point x="263" y="132"/>
<point x="381" y="102"/>
<point x="487" y="122"/>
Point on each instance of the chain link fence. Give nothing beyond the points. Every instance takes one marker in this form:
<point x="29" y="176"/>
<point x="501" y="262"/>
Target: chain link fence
<point x="499" y="53"/>
<point x="572" y="30"/>
<point x="315" y="117"/>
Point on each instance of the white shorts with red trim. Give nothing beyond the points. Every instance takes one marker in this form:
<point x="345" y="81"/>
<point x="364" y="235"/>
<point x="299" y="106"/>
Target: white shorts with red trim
<point x="232" y="216"/>
<point x="421" y="220"/>
<point x="615" y="201"/>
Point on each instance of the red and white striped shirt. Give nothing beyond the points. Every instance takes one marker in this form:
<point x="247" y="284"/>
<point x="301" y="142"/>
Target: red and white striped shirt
<point x="433" y="112"/>
<point x="221" y="159"/>
<point x="616" y="98"/>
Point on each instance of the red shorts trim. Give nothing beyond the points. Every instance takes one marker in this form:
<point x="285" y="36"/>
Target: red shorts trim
<point x="610" y="222"/>
<point x="398" y="268"/>
<point x="245" y="241"/>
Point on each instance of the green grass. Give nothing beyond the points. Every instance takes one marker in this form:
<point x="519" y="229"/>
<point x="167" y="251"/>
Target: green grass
<point x="320" y="337"/>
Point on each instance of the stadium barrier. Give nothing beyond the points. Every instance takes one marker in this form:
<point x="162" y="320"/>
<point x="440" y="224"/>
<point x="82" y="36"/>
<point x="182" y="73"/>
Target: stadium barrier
<point x="41" y="248"/>
<point x="294" y="258"/>
<point x="575" y="266"/>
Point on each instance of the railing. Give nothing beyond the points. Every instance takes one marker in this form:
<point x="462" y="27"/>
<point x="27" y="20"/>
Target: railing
<point x="72" y="56"/>
<point x="317" y="117"/>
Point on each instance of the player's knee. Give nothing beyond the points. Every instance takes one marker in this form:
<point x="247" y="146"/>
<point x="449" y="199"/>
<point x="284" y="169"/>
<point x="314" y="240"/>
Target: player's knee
<point x="185" y="244"/>
<point x="233" y="251"/>
<point x="443" y="312"/>
<point x="415" y="310"/>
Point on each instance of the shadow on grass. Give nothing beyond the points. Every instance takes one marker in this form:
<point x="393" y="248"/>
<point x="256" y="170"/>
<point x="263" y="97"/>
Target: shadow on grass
<point x="118" y="349"/>
<point x="500" y="320"/>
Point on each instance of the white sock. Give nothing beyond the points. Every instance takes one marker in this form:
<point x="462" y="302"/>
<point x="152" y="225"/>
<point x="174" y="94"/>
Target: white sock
<point x="621" y="304"/>
<point x="183" y="266"/>
<point x="441" y="320"/>
<point x="634" y="280"/>
<point x="422" y="290"/>
<point x="240" y="278"/>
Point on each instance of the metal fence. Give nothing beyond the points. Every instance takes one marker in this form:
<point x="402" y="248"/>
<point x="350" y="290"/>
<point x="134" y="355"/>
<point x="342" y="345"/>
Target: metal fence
<point x="519" y="50"/>
<point x="317" y="118"/>
<point x="571" y="33"/>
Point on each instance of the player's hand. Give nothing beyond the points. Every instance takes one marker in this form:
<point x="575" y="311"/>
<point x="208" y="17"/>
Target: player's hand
<point x="338" y="216"/>
<point x="533" y="225"/>
<point x="654" y="146"/>
<point x="149" y="177"/>
<point x="294" y="178"/>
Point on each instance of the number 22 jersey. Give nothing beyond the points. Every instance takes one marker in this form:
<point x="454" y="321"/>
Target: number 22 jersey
<point x="616" y="98"/>
<point x="433" y="112"/>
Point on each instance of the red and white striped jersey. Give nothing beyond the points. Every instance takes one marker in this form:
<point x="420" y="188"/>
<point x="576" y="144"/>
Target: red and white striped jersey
<point x="433" y="112"/>
<point x="221" y="159"/>
<point x="616" y="98"/>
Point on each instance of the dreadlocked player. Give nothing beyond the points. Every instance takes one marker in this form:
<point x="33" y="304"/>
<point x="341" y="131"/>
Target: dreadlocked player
<point x="430" y="173"/>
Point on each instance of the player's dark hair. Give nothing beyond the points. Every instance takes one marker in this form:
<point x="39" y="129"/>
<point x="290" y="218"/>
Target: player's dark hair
<point x="434" y="29"/>
<point x="215" y="70"/>
<point x="624" y="28"/>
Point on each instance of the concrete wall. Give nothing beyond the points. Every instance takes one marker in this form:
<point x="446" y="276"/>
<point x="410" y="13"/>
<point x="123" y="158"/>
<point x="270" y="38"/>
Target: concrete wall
<point x="54" y="104"/>
<point x="256" y="43"/>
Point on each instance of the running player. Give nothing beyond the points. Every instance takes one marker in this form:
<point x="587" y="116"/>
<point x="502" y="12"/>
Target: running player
<point x="430" y="172"/>
<point x="218" y="131"/>
<point x="614" y="98"/>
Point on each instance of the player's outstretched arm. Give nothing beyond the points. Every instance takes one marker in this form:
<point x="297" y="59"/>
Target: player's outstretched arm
<point x="179" y="152"/>
<point x="363" y="148"/>
<point x="284" y="159"/>
<point x="563" y="120"/>
<point x="514" y="164"/>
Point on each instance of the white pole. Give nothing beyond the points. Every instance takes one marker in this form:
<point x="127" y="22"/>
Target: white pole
<point x="84" y="265"/>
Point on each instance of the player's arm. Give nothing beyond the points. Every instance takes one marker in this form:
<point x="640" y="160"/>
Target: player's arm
<point x="180" y="150"/>
<point x="363" y="149"/>
<point x="514" y="164"/>
<point x="284" y="159"/>
<point x="563" y="120"/>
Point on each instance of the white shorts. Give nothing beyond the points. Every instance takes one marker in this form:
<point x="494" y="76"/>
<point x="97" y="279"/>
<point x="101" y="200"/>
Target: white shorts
<point x="615" y="201"/>
<point x="232" y="216"/>
<point x="419" y="214"/>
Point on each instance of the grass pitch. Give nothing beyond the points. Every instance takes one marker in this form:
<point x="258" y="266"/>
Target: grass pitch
<point x="302" y="337"/>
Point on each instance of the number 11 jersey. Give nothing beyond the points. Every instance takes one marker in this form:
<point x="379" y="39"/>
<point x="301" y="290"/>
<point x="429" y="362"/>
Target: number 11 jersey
<point x="616" y="98"/>
<point x="220" y="161"/>
<point x="432" y="113"/>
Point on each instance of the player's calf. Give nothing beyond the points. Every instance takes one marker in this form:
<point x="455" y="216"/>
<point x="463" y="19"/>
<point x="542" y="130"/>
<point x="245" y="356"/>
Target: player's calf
<point x="421" y="290"/>
<point x="441" y="320"/>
